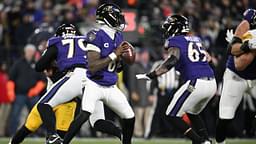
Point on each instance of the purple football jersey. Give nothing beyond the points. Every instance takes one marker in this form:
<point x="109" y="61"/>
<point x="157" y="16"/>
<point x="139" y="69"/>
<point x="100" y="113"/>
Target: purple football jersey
<point x="106" y="76"/>
<point x="71" y="51"/>
<point x="249" y="73"/>
<point x="193" y="61"/>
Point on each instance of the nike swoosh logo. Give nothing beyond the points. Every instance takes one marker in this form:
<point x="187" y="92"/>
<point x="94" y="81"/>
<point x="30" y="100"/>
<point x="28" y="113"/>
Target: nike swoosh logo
<point x="52" y="141"/>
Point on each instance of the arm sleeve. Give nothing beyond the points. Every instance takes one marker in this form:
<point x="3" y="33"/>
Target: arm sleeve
<point x="45" y="61"/>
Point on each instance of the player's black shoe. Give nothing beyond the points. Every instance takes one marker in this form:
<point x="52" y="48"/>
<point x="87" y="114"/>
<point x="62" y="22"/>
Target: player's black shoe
<point x="54" y="139"/>
<point x="202" y="142"/>
<point x="207" y="142"/>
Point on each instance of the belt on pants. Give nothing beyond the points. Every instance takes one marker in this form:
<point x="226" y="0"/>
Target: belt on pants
<point x="206" y="78"/>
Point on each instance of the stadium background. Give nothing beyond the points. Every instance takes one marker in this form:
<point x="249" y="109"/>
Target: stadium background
<point x="21" y="19"/>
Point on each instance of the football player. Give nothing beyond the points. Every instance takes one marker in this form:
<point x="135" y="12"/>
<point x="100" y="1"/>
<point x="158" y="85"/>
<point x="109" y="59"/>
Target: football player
<point x="64" y="115"/>
<point x="104" y="49"/>
<point x="240" y="75"/>
<point x="33" y="121"/>
<point x="67" y="48"/>
<point x="189" y="57"/>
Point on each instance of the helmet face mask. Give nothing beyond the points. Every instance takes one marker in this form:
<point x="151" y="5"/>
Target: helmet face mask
<point x="111" y="15"/>
<point x="66" y="30"/>
<point x="175" y="25"/>
<point x="253" y="23"/>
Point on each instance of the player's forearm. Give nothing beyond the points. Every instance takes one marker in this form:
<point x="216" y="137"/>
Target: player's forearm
<point x="157" y="72"/>
<point x="236" y="49"/>
<point x="241" y="62"/>
<point x="46" y="59"/>
<point x="241" y="29"/>
<point x="174" y="56"/>
<point x="96" y="65"/>
<point x="164" y="67"/>
<point x="161" y="70"/>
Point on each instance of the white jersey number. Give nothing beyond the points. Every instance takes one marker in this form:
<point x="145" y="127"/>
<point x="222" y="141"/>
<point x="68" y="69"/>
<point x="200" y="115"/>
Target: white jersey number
<point x="71" y="48"/>
<point x="196" y="53"/>
<point x="112" y="66"/>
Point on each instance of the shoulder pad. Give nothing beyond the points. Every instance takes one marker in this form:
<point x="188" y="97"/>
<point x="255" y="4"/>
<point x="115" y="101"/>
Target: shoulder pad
<point x="53" y="40"/>
<point x="173" y="42"/>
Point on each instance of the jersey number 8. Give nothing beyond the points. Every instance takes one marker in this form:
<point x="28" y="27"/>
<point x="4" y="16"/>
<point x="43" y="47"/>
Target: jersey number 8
<point x="196" y="53"/>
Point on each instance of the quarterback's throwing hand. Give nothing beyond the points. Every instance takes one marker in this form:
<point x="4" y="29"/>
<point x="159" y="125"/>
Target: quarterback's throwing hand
<point x="142" y="77"/>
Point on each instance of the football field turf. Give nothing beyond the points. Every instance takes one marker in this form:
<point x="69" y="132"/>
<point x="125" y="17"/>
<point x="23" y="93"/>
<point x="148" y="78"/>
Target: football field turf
<point x="136" y="141"/>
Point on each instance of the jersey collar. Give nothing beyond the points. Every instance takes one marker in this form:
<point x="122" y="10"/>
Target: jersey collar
<point x="111" y="32"/>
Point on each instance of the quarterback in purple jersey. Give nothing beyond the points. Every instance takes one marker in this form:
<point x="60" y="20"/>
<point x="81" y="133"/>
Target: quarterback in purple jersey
<point x="104" y="48"/>
<point x="240" y="76"/>
<point x="68" y="50"/>
<point x="188" y="56"/>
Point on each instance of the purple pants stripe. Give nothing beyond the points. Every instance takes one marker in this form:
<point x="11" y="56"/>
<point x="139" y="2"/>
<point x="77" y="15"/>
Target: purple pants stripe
<point x="181" y="100"/>
<point x="52" y="91"/>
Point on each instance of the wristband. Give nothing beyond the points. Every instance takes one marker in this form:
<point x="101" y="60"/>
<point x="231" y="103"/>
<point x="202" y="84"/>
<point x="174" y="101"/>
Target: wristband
<point x="236" y="39"/>
<point x="112" y="56"/>
<point x="245" y="47"/>
<point x="152" y="75"/>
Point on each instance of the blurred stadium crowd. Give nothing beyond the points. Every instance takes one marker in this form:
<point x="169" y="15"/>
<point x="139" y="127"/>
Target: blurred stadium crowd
<point x="22" y="20"/>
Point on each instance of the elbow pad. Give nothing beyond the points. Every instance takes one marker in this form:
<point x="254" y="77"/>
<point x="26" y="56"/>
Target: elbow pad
<point x="171" y="61"/>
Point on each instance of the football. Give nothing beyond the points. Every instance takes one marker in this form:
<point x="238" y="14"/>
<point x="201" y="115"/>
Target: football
<point x="129" y="55"/>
